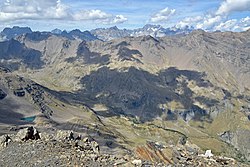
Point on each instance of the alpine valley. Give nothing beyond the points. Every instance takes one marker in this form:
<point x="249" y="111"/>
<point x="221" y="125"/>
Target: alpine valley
<point x="149" y="96"/>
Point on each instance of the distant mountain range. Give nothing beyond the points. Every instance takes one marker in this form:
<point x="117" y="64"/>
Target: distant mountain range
<point x="152" y="30"/>
<point x="103" y="34"/>
<point x="13" y="32"/>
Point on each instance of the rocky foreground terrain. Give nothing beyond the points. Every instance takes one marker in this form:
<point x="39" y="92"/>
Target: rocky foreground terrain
<point x="65" y="148"/>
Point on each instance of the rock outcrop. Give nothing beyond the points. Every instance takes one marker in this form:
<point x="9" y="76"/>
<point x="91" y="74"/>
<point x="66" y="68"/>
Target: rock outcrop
<point x="2" y="94"/>
<point x="239" y="140"/>
<point x="4" y="141"/>
<point x="180" y="155"/>
<point x="29" y="133"/>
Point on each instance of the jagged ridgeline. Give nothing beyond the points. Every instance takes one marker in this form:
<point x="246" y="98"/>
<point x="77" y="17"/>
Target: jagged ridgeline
<point x="130" y="92"/>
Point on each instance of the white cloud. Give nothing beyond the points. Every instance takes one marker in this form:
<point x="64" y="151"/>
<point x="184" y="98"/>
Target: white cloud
<point x="162" y="15"/>
<point x="189" y="21"/>
<point x="30" y="9"/>
<point x="59" y="11"/>
<point x="91" y="15"/>
<point x="229" y="6"/>
<point x="209" y="22"/>
<point x="219" y="19"/>
<point x="118" y="19"/>
<point x="246" y="20"/>
<point x="225" y="26"/>
<point x="234" y="25"/>
<point x="14" y="10"/>
<point x="99" y="16"/>
<point x="226" y="8"/>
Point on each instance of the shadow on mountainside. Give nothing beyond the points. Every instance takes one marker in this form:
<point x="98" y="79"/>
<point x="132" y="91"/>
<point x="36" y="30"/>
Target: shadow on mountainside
<point x="135" y="92"/>
<point x="8" y="115"/>
<point x="88" y="56"/>
<point x="14" y="50"/>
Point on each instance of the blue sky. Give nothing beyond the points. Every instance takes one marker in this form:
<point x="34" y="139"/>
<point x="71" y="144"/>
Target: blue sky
<point x="210" y="15"/>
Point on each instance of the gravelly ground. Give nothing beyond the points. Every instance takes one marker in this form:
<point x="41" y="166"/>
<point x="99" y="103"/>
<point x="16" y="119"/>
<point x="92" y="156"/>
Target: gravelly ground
<point x="40" y="153"/>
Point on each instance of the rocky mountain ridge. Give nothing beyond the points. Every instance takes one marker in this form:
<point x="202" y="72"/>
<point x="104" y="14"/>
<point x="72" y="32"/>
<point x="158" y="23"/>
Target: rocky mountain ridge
<point x="155" y="31"/>
<point x="9" y="33"/>
<point x="104" y="34"/>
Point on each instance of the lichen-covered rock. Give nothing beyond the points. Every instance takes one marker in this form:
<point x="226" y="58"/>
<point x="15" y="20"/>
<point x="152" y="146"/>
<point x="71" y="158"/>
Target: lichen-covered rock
<point x="95" y="147"/>
<point x="137" y="162"/>
<point x="66" y="135"/>
<point x="88" y="144"/>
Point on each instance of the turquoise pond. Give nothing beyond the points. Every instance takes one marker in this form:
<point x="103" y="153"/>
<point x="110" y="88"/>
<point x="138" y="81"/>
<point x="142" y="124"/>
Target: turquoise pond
<point x="29" y="119"/>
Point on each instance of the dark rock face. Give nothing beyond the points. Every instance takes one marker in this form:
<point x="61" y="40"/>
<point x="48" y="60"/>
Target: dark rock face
<point x="13" y="51"/>
<point x="4" y="141"/>
<point x="15" y="31"/>
<point x="83" y="53"/>
<point x="37" y="36"/>
<point x="27" y="90"/>
<point x="19" y="92"/>
<point x="128" y="54"/>
<point x="227" y="136"/>
<point x="37" y="93"/>
<point x="29" y="133"/>
<point x="4" y="70"/>
<point x="2" y="94"/>
<point x="171" y="116"/>
<point x="195" y="113"/>
<point x="77" y="34"/>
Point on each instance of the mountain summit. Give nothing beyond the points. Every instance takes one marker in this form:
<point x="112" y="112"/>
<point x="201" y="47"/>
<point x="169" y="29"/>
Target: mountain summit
<point x="9" y="33"/>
